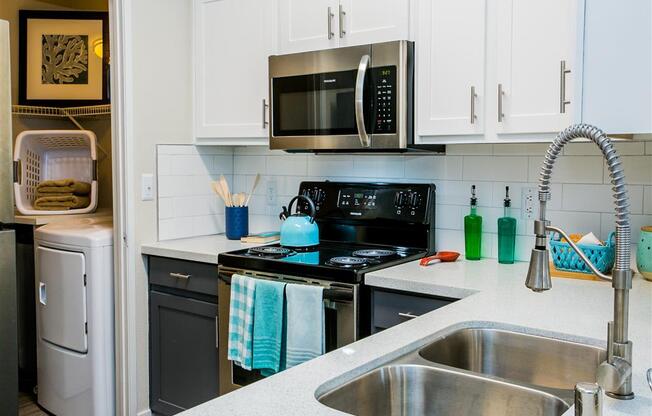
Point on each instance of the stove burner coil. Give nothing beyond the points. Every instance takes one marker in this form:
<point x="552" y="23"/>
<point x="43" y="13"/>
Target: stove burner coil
<point x="270" y="251"/>
<point x="374" y="253"/>
<point x="347" y="261"/>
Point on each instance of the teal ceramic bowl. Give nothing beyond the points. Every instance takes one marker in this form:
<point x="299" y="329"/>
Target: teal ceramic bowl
<point x="644" y="253"/>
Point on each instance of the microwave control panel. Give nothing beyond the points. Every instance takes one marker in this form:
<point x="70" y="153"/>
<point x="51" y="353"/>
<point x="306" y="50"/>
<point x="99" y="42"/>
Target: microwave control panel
<point x="384" y="81"/>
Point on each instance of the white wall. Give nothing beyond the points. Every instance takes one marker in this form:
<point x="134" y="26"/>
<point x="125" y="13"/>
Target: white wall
<point x="581" y="192"/>
<point x="162" y="88"/>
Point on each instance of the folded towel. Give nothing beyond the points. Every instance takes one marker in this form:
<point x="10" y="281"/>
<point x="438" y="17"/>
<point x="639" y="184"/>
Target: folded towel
<point x="58" y="186"/>
<point x="61" y="202"/>
<point x="268" y="326"/>
<point x="305" y="324"/>
<point x="241" y="321"/>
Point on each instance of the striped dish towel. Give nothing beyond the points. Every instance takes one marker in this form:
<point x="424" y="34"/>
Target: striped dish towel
<point x="241" y="321"/>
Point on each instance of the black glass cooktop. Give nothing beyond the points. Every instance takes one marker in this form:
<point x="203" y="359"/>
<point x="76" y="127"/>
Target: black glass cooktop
<point x="331" y="261"/>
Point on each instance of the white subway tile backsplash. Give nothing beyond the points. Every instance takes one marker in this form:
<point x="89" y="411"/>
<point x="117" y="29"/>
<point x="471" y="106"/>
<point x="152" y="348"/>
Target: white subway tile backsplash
<point x="581" y="199"/>
<point x="647" y="200"/>
<point x="570" y="169"/>
<point x="598" y="198"/>
<point x="498" y="168"/>
<point x="433" y="167"/>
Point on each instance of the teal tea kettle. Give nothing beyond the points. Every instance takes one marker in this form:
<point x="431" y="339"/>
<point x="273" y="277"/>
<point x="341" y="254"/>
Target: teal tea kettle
<point x="299" y="230"/>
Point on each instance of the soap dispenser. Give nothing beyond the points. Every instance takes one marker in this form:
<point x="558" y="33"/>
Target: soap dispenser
<point x="473" y="230"/>
<point x="506" y="233"/>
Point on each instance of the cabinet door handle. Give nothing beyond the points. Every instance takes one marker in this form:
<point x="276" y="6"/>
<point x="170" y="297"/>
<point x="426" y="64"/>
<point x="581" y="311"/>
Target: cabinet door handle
<point x="265" y="105"/>
<point x="562" y="87"/>
<point x="330" y="24"/>
<point x="217" y="333"/>
<point x="180" y="276"/>
<point x="341" y="21"/>
<point x="473" y="97"/>
<point x="408" y="315"/>
<point x="501" y="93"/>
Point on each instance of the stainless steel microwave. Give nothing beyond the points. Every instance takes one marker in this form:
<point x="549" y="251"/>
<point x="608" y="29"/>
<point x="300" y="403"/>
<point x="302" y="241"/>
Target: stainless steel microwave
<point x="358" y="98"/>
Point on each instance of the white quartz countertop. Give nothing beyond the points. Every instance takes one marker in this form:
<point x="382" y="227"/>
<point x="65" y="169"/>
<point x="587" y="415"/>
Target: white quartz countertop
<point x="201" y="249"/>
<point x="493" y="295"/>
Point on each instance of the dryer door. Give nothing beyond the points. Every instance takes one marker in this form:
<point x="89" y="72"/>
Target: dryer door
<point x="61" y="298"/>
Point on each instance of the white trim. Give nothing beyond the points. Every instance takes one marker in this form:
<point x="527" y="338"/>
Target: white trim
<point x="122" y="139"/>
<point x="146" y="412"/>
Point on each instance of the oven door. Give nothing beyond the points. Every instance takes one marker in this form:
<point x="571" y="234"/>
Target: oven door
<point x="341" y="315"/>
<point x="339" y="99"/>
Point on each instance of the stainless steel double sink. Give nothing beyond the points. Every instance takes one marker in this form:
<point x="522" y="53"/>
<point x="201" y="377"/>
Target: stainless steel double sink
<point x="473" y="371"/>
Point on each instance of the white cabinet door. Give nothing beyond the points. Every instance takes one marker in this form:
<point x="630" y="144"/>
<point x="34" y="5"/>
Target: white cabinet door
<point x="233" y="39"/>
<point x="307" y="25"/>
<point x="372" y="21"/>
<point x="534" y="38"/>
<point x="450" y="54"/>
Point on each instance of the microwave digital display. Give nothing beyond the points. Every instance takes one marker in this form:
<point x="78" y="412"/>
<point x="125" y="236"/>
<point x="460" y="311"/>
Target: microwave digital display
<point x="384" y="100"/>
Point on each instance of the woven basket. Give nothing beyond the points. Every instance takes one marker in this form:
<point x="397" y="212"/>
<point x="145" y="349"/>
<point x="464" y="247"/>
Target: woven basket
<point x="565" y="258"/>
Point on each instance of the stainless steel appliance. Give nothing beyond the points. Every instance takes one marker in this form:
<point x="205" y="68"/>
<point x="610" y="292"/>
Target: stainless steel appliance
<point x="8" y="307"/>
<point x="363" y="227"/>
<point x="358" y="98"/>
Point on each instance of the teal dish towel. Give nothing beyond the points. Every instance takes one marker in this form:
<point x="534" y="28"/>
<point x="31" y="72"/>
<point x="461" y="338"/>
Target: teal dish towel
<point x="268" y="326"/>
<point x="305" y="324"/>
<point x="241" y="321"/>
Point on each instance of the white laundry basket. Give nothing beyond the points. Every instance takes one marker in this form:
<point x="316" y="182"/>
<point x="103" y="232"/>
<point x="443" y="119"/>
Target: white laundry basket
<point x="41" y="155"/>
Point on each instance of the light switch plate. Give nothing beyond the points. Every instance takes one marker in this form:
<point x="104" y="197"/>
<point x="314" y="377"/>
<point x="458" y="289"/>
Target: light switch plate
<point x="147" y="187"/>
<point x="271" y="195"/>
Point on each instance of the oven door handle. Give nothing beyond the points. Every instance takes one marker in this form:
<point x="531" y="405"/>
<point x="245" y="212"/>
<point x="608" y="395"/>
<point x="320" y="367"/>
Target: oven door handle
<point x="331" y="294"/>
<point x="359" y="101"/>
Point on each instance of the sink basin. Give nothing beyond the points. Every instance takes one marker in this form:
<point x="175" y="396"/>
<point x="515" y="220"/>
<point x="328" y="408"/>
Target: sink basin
<point x="422" y="390"/>
<point x="530" y="359"/>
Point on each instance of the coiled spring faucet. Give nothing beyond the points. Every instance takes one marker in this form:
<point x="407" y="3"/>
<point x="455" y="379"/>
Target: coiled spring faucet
<point x="615" y="374"/>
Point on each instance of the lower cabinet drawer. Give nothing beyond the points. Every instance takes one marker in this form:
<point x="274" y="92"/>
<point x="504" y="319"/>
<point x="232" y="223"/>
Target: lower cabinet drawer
<point x="184" y="275"/>
<point x="393" y="308"/>
<point x="183" y="352"/>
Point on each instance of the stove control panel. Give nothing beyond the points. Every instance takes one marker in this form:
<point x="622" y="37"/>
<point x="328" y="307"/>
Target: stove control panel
<point x="371" y="201"/>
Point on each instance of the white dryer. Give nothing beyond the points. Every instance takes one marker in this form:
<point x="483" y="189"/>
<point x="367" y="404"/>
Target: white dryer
<point x="74" y="317"/>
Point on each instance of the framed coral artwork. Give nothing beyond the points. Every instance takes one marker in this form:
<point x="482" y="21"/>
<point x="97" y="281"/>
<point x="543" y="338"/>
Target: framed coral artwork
<point x="63" y="58"/>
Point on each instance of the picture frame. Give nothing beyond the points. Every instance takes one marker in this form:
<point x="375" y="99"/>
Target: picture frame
<point x="63" y="58"/>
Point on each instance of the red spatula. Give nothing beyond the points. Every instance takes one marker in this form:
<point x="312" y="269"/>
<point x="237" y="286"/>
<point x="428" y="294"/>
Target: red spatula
<point x="444" y="256"/>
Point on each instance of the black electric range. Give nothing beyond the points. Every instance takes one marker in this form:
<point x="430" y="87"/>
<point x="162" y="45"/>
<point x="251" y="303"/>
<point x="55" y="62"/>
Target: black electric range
<point x="363" y="227"/>
<point x="346" y="263"/>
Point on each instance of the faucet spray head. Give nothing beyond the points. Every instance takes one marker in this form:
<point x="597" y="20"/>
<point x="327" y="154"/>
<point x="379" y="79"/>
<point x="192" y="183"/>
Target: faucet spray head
<point x="538" y="275"/>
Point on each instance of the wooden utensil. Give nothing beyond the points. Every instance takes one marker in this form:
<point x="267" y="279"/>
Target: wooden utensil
<point x="253" y="187"/>
<point x="442" y="256"/>
<point x="225" y="190"/>
<point x="218" y="190"/>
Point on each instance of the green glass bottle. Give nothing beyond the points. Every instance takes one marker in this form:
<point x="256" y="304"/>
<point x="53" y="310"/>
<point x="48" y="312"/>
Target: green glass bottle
<point x="506" y="233"/>
<point x="473" y="230"/>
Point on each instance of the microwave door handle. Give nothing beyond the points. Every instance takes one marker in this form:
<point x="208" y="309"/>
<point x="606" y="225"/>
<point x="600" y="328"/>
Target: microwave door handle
<point x="359" y="101"/>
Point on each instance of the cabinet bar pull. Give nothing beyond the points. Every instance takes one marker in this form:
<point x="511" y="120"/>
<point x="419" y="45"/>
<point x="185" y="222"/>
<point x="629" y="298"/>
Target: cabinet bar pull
<point x="180" y="276"/>
<point x="341" y="21"/>
<point x="330" y="24"/>
<point x="407" y="315"/>
<point x="265" y="105"/>
<point x="501" y="115"/>
<point x="217" y="333"/>
<point x="562" y="87"/>
<point x="473" y="97"/>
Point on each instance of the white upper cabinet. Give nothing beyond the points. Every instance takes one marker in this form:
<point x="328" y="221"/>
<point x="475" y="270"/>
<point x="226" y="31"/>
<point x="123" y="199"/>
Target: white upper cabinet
<point x="536" y="48"/>
<point x="372" y="21"/>
<point x="450" y="54"/>
<point x="617" y="76"/>
<point x="232" y="41"/>
<point x="308" y="25"/>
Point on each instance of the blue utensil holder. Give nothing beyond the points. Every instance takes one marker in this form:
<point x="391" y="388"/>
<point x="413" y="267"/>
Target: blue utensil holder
<point x="237" y="222"/>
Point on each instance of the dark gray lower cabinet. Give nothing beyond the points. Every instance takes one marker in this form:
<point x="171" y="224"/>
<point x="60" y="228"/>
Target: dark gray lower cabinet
<point x="183" y="356"/>
<point x="391" y="307"/>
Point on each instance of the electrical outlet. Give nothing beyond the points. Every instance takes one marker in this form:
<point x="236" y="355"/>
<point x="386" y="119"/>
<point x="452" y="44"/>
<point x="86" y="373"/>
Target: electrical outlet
<point x="271" y="196"/>
<point x="147" y="187"/>
<point x="528" y="200"/>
